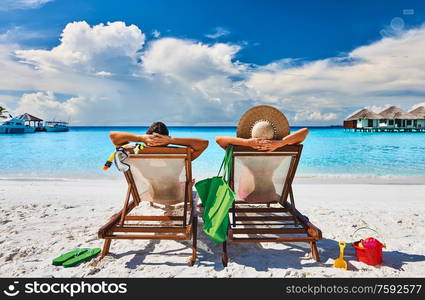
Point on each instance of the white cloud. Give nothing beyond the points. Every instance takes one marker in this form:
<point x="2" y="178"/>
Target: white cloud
<point x="156" y="34"/>
<point x="218" y="32"/>
<point x="44" y="105"/>
<point x="314" y="116"/>
<point x="7" y="99"/>
<point x="88" y="48"/>
<point x="22" y="4"/>
<point x="79" y="109"/>
<point x="16" y="76"/>
<point x="104" y="73"/>
<point x="203" y="71"/>
<point x="189" y="60"/>
<point x="18" y="34"/>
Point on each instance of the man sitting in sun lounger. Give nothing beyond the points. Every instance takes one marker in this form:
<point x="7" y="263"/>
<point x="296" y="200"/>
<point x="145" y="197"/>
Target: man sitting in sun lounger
<point x="158" y="135"/>
<point x="165" y="189"/>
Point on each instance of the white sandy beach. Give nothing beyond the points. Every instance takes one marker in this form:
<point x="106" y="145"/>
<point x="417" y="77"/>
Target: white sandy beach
<point x="40" y="219"/>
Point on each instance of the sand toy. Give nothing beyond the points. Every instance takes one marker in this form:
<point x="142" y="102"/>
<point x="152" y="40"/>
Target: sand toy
<point x="369" y="250"/>
<point x="340" y="263"/>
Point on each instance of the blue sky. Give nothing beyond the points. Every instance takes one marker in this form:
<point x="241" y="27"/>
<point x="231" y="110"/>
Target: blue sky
<point x="282" y="53"/>
<point x="272" y="29"/>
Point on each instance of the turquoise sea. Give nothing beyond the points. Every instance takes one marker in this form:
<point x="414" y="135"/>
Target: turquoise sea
<point x="328" y="152"/>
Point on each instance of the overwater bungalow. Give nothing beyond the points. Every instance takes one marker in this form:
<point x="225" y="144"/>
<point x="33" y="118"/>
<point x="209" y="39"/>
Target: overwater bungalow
<point x="392" y="119"/>
<point x="31" y="121"/>
<point x="396" y="118"/>
<point x="362" y="119"/>
<point x="419" y="114"/>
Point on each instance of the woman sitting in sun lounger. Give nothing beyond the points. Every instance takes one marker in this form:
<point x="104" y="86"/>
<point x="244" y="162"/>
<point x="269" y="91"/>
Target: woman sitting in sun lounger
<point x="262" y="128"/>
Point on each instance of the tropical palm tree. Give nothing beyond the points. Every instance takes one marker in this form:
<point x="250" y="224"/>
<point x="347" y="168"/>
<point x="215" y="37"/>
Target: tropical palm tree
<point x="2" y="112"/>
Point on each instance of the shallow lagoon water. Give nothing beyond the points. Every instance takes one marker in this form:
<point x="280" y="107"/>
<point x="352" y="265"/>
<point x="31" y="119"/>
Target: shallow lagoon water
<point x="329" y="152"/>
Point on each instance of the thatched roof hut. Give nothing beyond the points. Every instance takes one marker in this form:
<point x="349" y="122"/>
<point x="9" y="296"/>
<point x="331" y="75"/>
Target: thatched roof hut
<point x="393" y="112"/>
<point x="364" y="114"/>
<point x="418" y="112"/>
<point x="28" y="117"/>
<point x="391" y="119"/>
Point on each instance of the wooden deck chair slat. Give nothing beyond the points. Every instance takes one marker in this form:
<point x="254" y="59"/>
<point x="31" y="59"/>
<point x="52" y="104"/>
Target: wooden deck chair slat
<point x="148" y="237"/>
<point x="157" y="156"/>
<point x="265" y="218"/>
<point x="267" y="230"/>
<point x="266" y="223"/>
<point x="150" y="229"/>
<point x="273" y="240"/>
<point x="154" y="218"/>
<point x="260" y="210"/>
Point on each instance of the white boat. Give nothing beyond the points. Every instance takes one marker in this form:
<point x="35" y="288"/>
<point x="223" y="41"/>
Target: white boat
<point x="15" y="125"/>
<point x="56" y="126"/>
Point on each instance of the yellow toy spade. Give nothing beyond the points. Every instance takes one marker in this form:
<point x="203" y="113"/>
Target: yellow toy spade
<point x="340" y="263"/>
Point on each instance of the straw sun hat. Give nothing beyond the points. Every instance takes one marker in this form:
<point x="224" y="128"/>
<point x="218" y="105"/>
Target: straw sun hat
<point x="264" y="122"/>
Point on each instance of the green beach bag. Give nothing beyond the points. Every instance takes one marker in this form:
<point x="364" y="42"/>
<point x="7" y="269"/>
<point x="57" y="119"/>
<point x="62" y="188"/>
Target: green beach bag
<point x="217" y="197"/>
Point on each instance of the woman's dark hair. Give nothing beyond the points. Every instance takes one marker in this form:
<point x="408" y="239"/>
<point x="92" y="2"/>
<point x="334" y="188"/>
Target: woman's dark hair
<point x="158" y="127"/>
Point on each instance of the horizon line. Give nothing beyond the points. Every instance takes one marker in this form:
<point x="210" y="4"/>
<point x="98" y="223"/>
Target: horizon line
<point x="212" y="126"/>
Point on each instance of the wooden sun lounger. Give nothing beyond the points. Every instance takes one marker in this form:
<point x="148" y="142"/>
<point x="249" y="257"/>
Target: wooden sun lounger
<point x="277" y="221"/>
<point x="124" y="226"/>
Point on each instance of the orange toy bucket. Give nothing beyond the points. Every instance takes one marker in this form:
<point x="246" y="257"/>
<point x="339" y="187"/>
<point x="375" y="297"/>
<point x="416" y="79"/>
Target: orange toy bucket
<point x="369" y="250"/>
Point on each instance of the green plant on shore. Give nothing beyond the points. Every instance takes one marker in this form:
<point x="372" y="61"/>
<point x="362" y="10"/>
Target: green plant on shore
<point x="2" y="112"/>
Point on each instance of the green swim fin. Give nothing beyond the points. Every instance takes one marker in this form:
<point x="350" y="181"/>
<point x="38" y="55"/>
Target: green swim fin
<point x="87" y="255"/>
<point x="58" y="261"/>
